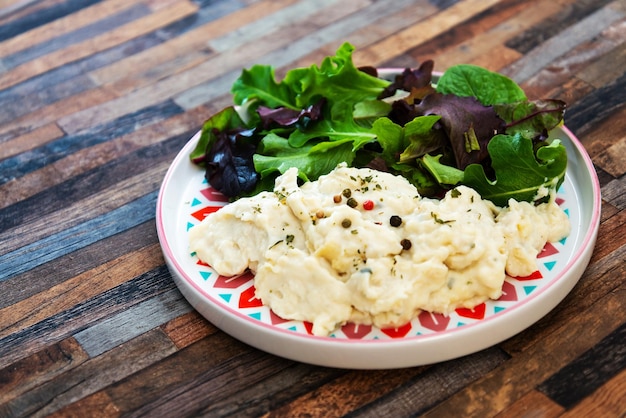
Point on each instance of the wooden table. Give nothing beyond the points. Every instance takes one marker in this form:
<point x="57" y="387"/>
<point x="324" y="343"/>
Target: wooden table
<point x="97" y="97"/>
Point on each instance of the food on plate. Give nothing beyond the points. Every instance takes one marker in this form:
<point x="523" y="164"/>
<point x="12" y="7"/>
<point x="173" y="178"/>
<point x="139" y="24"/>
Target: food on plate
<point x="362" y="246"/>
<point x="361" y="199"/>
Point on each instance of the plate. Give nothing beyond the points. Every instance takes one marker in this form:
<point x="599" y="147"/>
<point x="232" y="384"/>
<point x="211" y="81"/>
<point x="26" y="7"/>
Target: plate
<point x="185" y="198"/>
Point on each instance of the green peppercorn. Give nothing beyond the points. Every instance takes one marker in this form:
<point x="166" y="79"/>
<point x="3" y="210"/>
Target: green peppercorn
<point x="352" y="202"/>
<point x="346" y="223"/>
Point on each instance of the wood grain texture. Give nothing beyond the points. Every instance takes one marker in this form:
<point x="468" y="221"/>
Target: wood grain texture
<point x="97" y="97"/>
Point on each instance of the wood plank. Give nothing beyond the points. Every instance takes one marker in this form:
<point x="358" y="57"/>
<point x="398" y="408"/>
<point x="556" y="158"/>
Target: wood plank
<point x="568" y="39"/>
<point x="278" y="48"/>
<point x="479" y="49"/>
<point x="525" y="370"/>
<point x="99" y="405"/>
<point x="349" y="392"/>
<point x="46" y="276"/>
<point x="99" y="43"/>
<point x="186" y="329"/>
<point x="132" y="322"/>
<point x="61" y="26"/>
<point x="613" y="193"/>
<point x="599" y="364"/>
<point x="38" y="368"/>
<point x="580" y="66"/>
<point x="607" y="401"/>
<point x="182" y="374"/>
<point x="435" y="384"/>
<point x="63" y="325"/>
<point x="533" y="404"/>
<point x="30" y="140"/>
<point x="424" y="30"/>
<point x="71" y="292"/>
<point x="95" y="374"/>
<point x="90" y="158"/>
<point x="50" y="113"/>
<point x="178" y="54"/>
<point x="613" y="158"/>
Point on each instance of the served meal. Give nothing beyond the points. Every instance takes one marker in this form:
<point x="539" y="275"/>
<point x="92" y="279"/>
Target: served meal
<point x="364" y="200"/>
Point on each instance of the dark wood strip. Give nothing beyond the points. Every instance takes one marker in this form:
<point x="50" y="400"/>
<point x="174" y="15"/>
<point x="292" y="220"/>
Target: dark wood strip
<point x="545" y="355"/>
<point x="26" y="374"/>
<point x="35" y="159"/>
<point x="92" y="375"/>
<point x="78" y="237"/>
<point x="581" y="377"/>
<point x="596" y="106"/>
<point x="435" y="384"/>
<point x="41" y="17"/>
<point x="607" y="401"/>
<point x="58" y="327"/>
<point x="93" y="181"/>
<point x="203" y="365"/>
<point x="28" y="310"/>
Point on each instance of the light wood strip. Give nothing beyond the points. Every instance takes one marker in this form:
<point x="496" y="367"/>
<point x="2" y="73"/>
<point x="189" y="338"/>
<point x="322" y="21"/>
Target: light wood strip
<point x="609" y="67"/>
<point x="99" y="43"/>
<point x="408" y="38"/>
<point x="89" y="158"/>
<point x="50" y="114"/>
<point x="30" y="140"/>
<point x="132" y="322"/>
<point x="479" y="49"/>
<point x="99" y="405"/>
<point x="78" y="289"/>
<point x="533" y="404"/>
<point x="178" y="54"/>
<point x="277" y="48"/>
<point x="608" y="401"/>
<point x="188" y="328"/>
<point x="613" y="159"/>
<point x="62" y="26"/>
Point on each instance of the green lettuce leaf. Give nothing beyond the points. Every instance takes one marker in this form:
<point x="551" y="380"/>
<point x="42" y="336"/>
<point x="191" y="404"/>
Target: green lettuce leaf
<point x="488" y="87"/>
<point x="518" y="173"/>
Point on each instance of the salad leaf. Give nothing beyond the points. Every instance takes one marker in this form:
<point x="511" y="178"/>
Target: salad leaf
<point x="312" y="159"/>
<point x="531" y="117"/>
<point x="487" y="87"/>
<point x="468" y="124"/>
<point x="474" y="127"/>
<point x="519" y="173"/>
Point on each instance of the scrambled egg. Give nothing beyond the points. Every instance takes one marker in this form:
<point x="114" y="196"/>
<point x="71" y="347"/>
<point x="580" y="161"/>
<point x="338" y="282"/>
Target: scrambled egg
<point x="362" y="246"/>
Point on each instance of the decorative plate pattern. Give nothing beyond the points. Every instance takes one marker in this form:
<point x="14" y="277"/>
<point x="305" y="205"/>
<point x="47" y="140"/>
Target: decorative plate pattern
<point x="238" y="293"/>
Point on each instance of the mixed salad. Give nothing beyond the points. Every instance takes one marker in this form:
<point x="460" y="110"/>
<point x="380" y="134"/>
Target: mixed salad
<point x="472" y="127"/>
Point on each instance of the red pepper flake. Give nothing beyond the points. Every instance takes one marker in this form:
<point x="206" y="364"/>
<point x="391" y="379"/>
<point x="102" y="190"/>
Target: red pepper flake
<point x="368" y="205"/>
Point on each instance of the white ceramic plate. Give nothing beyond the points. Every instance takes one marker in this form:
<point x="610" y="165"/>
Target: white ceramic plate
<point x="229" y="303"/>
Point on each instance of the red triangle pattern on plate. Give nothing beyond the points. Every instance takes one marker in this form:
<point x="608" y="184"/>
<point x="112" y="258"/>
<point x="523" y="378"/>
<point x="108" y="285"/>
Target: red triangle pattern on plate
<point x="225" y="282"/>
<point x="248" y="299"/>
<point x="548" y="250"/>
<point x="213" y="195"/>
<point x="434" y="321"/>
<point x="398" y="332"/>
<point x="509" y="293"/>
<point x="356" y="331"/>
<point x="202" y="213"/>
<point x="477" y="312"/>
